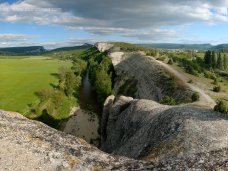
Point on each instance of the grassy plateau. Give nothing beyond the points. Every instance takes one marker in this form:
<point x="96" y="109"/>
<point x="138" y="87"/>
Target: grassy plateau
<point x="20" y="78"/>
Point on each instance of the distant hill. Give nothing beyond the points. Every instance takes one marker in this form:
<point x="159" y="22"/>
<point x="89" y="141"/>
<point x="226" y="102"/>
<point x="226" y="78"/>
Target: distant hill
<point x="177" y="46"/>
<point x="84" y="46"/>
<point x="38" y="50"/>
<point x="30" y="50"/>
<point x="221" y="47"/>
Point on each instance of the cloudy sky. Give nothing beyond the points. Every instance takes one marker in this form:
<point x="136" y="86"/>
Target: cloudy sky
<point x="55" y="23"/>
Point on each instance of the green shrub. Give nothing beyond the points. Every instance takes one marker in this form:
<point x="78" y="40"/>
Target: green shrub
<point x="190" y="81"/>
<point x="217" y="88"/>
<point x="161" y="58"/>
<point x="221" y="106"/>
<point x="168" y="101"/>
<point x="195" y="97"/>
<point x="170" y="62"/>
<point x="215" y="82"/>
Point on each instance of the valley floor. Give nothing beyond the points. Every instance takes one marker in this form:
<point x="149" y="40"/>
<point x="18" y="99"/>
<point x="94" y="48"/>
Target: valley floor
<point x="21" y="78"/>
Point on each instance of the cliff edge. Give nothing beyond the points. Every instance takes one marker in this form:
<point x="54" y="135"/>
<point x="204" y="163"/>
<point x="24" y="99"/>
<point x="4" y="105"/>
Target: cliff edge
<point x="180" y="136"/>
<point x="28" y="145"/>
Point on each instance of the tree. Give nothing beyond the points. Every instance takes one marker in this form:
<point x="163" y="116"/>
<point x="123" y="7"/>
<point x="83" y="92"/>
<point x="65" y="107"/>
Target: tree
<point x="220" y="61"/>
<point x="214" y="60"/>
<point x="208" y="58"/>
<point x="72" y="83"/>
<point x="225" y="62"/>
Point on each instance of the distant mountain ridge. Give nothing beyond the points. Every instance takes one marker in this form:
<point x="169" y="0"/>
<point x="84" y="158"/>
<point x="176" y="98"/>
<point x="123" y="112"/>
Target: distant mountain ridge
<point x="185" y="46"/>
<point x="37" y="50"/>
<point x="84" y="46"/>
<point x="30" y="50"/>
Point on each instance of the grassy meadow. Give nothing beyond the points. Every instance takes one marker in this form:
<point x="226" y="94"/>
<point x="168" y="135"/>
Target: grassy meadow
<point x="21" y="77"/>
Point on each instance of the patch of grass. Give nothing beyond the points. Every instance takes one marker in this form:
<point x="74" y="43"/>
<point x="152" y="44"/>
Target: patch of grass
<point x="221" y="106"/>
<point x="22" y="77"/>
<point x="195" y="97"/>
<point x="168" y="101"/>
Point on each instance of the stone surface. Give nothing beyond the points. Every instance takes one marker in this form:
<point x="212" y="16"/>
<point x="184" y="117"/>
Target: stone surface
<point x="27" y="145"/>
<point x="103" y="46"/>
<point x="167" y="138"/>
<point x="147" y="130"/>
<point x="148" y="73"/>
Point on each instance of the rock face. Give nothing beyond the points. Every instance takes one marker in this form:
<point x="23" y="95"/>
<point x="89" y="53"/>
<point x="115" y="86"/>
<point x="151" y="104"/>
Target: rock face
<point x="30" y="145"/>
<point x="166" y="138"/>
<point x="144" y="129"/>
<point x="153" y="82"/>
<point x="103" y="46"/>
<point x="144" y="74"/>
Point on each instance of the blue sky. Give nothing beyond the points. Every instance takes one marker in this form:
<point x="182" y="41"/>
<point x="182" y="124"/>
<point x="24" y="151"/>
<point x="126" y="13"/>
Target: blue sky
<point x="56" y="23"/>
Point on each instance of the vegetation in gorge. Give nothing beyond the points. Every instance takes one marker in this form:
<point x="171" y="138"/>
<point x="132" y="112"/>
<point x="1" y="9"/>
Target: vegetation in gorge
<point x="101" y="74"/>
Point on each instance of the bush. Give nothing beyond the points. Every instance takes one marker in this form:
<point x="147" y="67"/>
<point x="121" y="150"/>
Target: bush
<point x="215" y="82"/>
<point x="217" y="89"/>
<point x="221" y="106"/>
<point x="170" y="62"/>
<point x="168" y="101"/>
<point x="162" y="58"/>
<point x="195" y="97"/>
<point x="190" y="81"/>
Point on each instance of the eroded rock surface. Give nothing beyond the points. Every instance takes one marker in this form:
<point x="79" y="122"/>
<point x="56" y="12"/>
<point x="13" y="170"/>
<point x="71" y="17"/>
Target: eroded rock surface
<point x="144" y="129"/>
<point x="103" y="46"/>
<point x="27" y="145"/>
<point x="167" y="139"/>
<point x="152" y="80"/>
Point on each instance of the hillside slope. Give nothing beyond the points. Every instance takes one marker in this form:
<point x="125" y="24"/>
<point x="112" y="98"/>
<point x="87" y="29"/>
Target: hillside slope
<point x="153" y="81"/>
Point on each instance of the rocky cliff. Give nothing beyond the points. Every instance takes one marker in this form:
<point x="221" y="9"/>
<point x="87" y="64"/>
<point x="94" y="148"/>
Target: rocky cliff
<point x="27" y="145"/>
<point x="185" y="137"/>
<point x="136" y="134"/>
<point x="166" y="138"/>
<point x="142" y="77"/>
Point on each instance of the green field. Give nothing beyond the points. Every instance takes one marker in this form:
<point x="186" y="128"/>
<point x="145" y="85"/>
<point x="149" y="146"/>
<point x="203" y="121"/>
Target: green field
<point x="21" y="77"/>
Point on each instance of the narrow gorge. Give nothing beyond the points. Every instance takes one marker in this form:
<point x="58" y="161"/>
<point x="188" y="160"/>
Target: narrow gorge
<point x="136" y="131"/>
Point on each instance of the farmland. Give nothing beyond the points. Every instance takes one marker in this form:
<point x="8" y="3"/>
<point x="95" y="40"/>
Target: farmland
<point x="21" y="77"/>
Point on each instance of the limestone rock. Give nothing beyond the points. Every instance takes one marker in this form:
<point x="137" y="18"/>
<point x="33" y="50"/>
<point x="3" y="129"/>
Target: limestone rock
<point x="149" y="75"/>
<point x="27" y="145"/>
<point x="103" y="46"/>
<point x="151" y="131"/>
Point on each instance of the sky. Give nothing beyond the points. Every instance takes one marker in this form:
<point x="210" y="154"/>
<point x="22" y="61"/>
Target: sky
<point x="58" y="23"/>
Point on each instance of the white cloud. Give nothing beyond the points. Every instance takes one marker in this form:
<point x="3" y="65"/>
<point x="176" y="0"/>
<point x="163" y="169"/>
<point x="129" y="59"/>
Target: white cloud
<point x="130" y="18"/>
<point x="13" y="37"/>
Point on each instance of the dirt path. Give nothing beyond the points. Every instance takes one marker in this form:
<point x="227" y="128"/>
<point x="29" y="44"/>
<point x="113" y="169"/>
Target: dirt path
<point x="205" y="100"/>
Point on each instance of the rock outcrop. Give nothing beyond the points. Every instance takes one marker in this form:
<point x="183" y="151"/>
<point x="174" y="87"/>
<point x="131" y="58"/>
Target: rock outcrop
<point x="144" y="76"/>
<point x="166" y="138"/>
<point x="27" y="145"/>
<point x="153" y="82"/>
<point x="144" y="129"/>
<point x="103" y="46"/>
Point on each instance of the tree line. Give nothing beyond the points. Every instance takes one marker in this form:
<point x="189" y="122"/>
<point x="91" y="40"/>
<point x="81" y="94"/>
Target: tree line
<point x="101" y="73"/>
<point x="56" y="102"/>
<point x="216" y="60"/>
